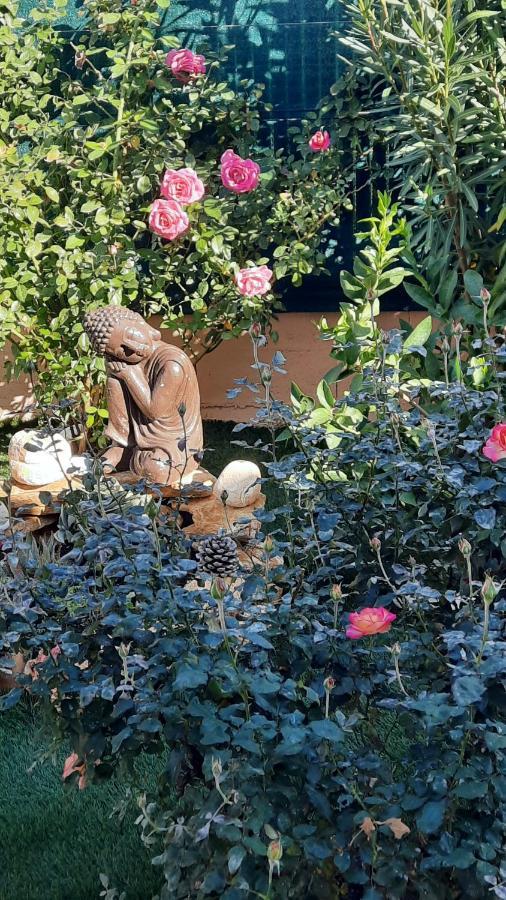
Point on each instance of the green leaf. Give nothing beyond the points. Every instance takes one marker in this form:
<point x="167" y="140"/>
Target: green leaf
<point x="420" y="296"/>
<point x="473" y="282"/>
<point x="52" y="194"/>
<point x="431" y="817"/>
<point x="235" y="857"/>
<point x="190" y="676"/>
<point x="325" y="728"/>
<point x="325" y="395"/>
<point x="419" y="336"/>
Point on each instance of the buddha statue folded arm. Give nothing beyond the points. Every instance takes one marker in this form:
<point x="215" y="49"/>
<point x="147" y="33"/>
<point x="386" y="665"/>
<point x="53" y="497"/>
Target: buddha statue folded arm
<point x="153" y="398"/>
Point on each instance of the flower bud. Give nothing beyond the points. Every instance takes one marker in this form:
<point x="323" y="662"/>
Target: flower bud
<point x="489" y="590"/>
<point x="218" y="588"/>
<point x="370" y="295"/>
<point x="375" y="544"/>
<point x="266" y="375"/>
<point x="255" y="330"/>
<point x="329" y="684"/>
<point x="216" y="767"/>
<point x="182" y="410"/>
<point x="275" y="851"/>
<point x="336" y="592"/>
<point x="485" y="295"/>
<point x="465" y="548"/>
<point x="458" y="329"/>
<point x="268" y="544"/>
<point x="79" y="59"/>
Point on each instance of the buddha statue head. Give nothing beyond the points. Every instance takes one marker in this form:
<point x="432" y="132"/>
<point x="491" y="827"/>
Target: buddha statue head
<point x="120" y="334"/>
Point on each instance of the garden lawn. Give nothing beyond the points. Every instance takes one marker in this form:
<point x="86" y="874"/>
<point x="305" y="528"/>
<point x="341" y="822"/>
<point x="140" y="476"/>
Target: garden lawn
<point x="55" y="841"/>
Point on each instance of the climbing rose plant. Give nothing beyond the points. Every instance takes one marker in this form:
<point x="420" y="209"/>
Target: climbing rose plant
<point x="141" y="178"/>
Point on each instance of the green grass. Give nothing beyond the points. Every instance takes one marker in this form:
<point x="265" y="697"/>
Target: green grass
<point x="55" y="840"/>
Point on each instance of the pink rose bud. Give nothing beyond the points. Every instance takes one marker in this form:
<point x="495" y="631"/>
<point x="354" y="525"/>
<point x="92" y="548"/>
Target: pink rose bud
<point x="485" y="295"/>
<point x="182" y="185"/>
<point x="329" y="684"/>
<point x="254" y="281"/>
<point x="239" y="175"/>
<point x="465" y="548"/>
<point x="168" y="219"/>
<point x="218" y="588"/>
<point x="255" y="329"/>
<point x="375" y="544"/>
<point x="275" y="851"/>
<point x="268" y="544"/>
<point x="368" y="621"/>
<point x="320" y="141"/>
<point x="184" y="64"/>
<point x="336" y="592"/>
<point x="495" y="447"/>
<point x="489" y="590"/>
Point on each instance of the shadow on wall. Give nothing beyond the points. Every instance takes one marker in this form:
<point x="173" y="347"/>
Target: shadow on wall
<point x="284" y="44"/>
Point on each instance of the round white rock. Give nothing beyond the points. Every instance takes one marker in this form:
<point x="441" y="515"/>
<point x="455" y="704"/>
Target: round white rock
<point x="241" y="482"/>
<point x="39" y="457"/>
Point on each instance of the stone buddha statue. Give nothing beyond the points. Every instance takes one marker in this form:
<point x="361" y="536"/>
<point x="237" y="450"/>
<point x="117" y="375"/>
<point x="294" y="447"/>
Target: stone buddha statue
<point x="155" y="426"/>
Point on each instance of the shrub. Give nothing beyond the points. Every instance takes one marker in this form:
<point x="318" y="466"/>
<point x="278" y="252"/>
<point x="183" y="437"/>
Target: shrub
<point x="432" y="88"/>
<point x="85" y="142"/>
<point x="302" y="756"/>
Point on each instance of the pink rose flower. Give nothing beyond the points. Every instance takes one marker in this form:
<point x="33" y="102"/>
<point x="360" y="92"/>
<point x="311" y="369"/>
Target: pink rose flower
<point x="184" y="64"/>
<point x="495" y="448"/>
<point x="237" y="174"/>
<point x="183" y="185"/>
<point x="254" y="281"/>
<point x="370" y="620"/>
<point x="168" y="219"/>
<point x="320" y="141"/>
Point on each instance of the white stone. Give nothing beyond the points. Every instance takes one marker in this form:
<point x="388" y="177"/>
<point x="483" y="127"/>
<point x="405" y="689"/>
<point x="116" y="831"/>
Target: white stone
<point x="241" y="481"/>
<point x="38" y="457"/>
<point x="81" y="465"/>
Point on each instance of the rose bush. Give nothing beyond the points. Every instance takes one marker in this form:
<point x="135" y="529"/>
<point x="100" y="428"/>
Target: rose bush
<point x="85" y="161"/>
<point x="301" y="760"/>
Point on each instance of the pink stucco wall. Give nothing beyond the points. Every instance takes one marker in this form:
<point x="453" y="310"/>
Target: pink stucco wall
<point x="307" y="360"/>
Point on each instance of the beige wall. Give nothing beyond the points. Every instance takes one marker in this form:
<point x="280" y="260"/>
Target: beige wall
<point x="307" y="360"/>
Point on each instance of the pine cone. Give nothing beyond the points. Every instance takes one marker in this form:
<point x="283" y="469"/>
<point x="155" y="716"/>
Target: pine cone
<point x="217" y="555"/>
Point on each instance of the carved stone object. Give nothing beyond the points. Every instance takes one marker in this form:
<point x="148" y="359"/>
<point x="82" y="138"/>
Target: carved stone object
<point x="39" y="457"/>
<point x="153" y="398"/>
<point x="239" y="484"/>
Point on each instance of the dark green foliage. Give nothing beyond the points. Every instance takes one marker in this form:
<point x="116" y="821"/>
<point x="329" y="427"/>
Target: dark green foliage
<point x="415" y="735"/>
<point x="431" y="88"/>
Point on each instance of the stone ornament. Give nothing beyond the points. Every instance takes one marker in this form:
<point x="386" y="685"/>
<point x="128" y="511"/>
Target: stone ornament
<point x="39" y="457"/>
<point x="239" y="484"/>
<point x="155" y="427"/>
